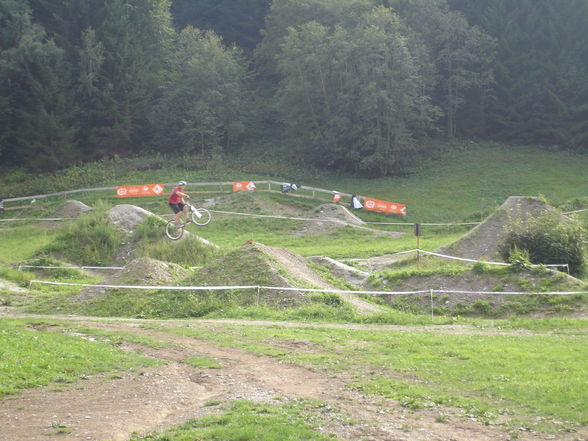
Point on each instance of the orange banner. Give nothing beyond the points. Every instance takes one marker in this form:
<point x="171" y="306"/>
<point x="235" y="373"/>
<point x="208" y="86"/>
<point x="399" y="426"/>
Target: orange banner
<point x="135" y="191"/>
<point x="245" y="185"/>
<point x="384" y="207"/>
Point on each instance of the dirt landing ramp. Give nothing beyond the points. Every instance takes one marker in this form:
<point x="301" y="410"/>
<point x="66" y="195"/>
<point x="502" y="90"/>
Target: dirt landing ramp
<point x="481" y="242"/>
<point x="298" y="267"/>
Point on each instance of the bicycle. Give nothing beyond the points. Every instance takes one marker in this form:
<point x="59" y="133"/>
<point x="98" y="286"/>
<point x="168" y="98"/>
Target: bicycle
<point x="197" y="216"/>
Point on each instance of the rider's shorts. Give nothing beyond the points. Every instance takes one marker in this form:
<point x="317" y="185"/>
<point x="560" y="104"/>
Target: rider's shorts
<point x="176" y="208"/>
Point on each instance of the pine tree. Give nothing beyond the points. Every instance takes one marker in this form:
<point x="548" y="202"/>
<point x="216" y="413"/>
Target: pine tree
<point x="35" y="120"/>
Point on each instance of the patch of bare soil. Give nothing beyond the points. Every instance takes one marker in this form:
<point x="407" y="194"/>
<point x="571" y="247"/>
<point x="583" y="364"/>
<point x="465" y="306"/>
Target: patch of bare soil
<point x="113" y="408"/>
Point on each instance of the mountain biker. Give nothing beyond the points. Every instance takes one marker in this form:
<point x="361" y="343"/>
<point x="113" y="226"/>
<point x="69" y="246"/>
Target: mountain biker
<point x="176" y="201"/>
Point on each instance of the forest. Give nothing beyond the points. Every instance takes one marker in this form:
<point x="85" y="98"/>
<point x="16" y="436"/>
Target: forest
<point x="364" y="86"/>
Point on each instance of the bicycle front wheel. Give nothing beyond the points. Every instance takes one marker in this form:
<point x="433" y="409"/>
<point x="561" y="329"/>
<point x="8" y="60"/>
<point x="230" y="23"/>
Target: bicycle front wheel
<point x="173" y="231"/>
<point x="201" y="216"/>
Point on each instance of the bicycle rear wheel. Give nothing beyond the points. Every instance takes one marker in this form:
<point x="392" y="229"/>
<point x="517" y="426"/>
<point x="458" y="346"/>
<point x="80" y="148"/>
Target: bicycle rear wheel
<point x="172" y="231"/>
<point x="201" y="216"/>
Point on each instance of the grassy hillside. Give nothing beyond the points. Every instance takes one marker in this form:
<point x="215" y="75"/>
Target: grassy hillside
<point x="463" y="181"/>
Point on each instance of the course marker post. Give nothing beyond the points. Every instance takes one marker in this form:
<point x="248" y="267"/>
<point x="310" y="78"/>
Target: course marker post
<point x="418" y="233"/>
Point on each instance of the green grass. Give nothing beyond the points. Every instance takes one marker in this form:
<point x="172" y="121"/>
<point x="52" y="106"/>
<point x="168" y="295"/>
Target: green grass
<point x="247" y="421"/>
<point x="30" y="357"/>
<point x="153" y="244"/>
<point x="488" y="375"/>
<point x="90" y="240"/>
<point x="203" y="362"/>
<point x="465" y="178"/>
<point x="347" y="242"/>
<point x="21" y="243"/>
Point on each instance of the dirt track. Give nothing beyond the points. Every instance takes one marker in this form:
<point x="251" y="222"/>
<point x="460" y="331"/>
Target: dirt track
<point x="102" y="408"/>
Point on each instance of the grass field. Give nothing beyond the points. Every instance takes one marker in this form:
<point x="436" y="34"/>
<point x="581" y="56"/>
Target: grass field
<point x="32" y="357"/>
<point x="485" y="374"/>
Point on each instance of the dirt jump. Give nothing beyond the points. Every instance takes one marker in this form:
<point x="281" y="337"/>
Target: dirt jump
<point x="481" y="242"/>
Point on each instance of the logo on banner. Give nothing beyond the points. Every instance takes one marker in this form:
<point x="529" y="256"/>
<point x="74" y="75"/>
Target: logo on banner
<point x="243" y="186"/>
<point x="384" y="206"/>
<point x="134" y="191"/>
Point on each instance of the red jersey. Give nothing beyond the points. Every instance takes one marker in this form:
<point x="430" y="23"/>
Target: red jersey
<point x="174" y="197"/>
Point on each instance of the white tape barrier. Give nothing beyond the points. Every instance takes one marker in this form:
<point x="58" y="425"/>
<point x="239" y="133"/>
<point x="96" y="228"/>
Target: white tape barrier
<point x="82" y="267"/>
<point x="510" y="293"/>
<point x="262" y="216"/>
<point x="575" y="211"/>
<point x="463" y="259"/>
<point x="71" y="267"/>
<point x="424" y="223"/>
<point x="37" y="219"/>
<point x="279" y="217"/>
<point x="554" y="265"/>
<point x="221" y="288"/>
<point x="279" y="288"/>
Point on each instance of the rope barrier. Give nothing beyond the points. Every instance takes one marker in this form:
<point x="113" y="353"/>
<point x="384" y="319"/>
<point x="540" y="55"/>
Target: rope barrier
<point x="279" y="217"/>
<point x="279" y="288"/>
<point x="37" y="219"/>
<point x="72" y="267"/>
<point x="147" y="287"/>
<point x="463" y="259"/>
<point x="575" y="211"/>
<point x="82" y="267"/>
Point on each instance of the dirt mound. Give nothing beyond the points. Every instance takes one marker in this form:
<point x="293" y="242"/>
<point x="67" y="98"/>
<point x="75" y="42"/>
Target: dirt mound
<point x="250" y="265"/>
<point x="481" y="242"/>
<point x="144" y="271"/>
<point x="69" y="210"/>
<point x="72" y="209"/>
<point x="126" y="217"/>
<point x="468" y="288"/>
<point x="256" y="264"/>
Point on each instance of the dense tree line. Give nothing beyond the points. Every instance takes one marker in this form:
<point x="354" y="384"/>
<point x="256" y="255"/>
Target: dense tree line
<point x="349" y="84"/>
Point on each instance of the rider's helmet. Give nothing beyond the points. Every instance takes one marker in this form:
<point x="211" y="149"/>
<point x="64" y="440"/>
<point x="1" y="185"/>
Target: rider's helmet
<point x="182" y="183"/>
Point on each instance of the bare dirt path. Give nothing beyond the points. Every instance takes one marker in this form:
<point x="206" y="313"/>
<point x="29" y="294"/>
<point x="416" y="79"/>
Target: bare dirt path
<point x="107" y="407"/>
